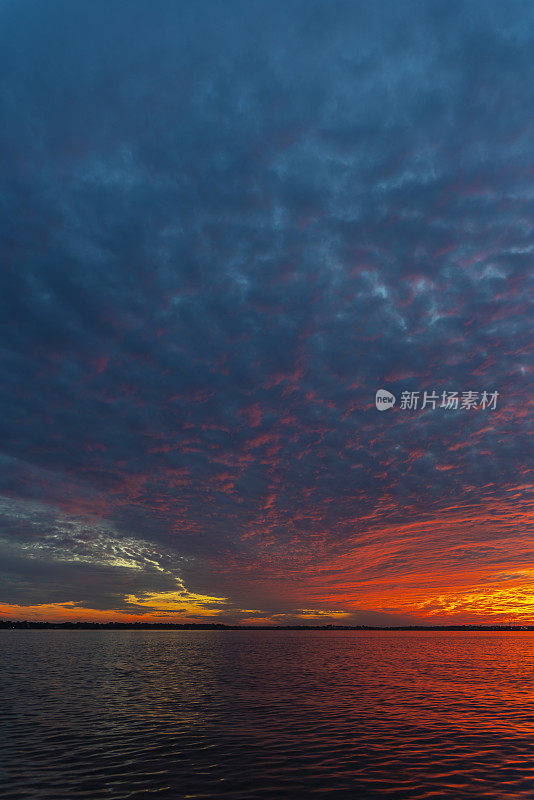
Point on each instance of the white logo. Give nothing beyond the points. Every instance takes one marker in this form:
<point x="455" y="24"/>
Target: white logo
<point x="384" y="400"/>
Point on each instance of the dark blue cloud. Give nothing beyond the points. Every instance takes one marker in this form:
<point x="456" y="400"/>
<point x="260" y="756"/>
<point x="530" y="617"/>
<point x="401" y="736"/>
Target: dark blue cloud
<point x="225" y="226"/>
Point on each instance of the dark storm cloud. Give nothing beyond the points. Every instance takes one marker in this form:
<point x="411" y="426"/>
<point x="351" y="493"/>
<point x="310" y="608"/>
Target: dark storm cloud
<point x="225" y="226"/>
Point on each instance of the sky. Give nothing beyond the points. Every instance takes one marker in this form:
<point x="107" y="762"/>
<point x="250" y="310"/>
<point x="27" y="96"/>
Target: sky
<point x="225" y="227"/>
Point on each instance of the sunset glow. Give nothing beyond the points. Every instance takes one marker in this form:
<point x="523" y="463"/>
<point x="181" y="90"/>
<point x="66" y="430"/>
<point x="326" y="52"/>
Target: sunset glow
<point x="220" y="244"/>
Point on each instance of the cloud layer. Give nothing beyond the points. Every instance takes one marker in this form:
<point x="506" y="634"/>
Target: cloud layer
<point x="225" y="227"/>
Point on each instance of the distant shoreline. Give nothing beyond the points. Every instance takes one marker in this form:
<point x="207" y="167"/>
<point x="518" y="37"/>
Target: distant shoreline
<point x="163" y="626"/>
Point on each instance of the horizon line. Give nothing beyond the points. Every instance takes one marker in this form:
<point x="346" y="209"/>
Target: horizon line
<point x="223" y="626"/>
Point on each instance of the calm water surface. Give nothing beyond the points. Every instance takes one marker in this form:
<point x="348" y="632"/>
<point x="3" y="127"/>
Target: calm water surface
<point x="252" y="714"/>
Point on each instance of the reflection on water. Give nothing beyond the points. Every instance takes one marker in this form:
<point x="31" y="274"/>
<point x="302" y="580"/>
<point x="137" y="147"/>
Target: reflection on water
<point x="264" y="714"/>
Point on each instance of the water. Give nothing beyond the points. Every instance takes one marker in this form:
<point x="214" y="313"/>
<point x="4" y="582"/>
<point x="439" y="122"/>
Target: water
<point x="265" y="714"/>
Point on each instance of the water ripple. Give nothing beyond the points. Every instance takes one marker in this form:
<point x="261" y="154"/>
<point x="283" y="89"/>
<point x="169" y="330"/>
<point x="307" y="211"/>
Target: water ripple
<point x="249" y="714"/>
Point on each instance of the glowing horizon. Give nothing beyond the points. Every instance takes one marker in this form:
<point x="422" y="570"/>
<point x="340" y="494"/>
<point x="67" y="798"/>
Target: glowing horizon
<point x="224" y="235"/>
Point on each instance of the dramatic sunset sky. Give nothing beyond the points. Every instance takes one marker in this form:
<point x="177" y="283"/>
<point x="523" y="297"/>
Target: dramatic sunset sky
<point x="225" y="225"/>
